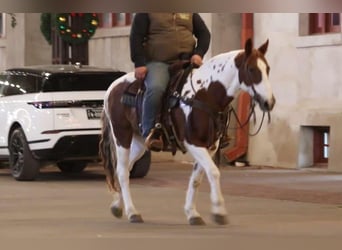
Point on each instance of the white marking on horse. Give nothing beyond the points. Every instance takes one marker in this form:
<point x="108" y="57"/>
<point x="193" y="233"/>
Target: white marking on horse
<point x="264" y="88"/>
<point x="207" y="73"/>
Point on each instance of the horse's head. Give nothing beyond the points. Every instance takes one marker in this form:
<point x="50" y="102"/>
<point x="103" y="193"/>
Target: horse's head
<point x="253" y="74"/>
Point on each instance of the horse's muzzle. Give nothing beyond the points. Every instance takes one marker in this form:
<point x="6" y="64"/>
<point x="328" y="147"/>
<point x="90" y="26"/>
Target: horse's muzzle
<point x="265" y="105"/>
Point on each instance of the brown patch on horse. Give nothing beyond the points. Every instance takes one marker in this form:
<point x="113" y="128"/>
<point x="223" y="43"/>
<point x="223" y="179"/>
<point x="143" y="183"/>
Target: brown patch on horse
<point x="124" y="118"/>
<point x="179" y="121"/>
<point x="201" y="129"/>
<point x="246" y="62"/>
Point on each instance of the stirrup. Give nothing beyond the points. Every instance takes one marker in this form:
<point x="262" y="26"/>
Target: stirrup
<point x="154" y="141"/>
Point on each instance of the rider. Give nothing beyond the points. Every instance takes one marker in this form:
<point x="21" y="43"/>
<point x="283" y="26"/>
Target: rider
<point x="156" y="41"/>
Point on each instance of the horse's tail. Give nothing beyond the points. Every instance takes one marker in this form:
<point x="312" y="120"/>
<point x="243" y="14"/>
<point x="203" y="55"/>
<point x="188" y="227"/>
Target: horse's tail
<point x="106" y="151"/>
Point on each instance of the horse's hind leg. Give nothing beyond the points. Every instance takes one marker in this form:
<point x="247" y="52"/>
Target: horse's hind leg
<point x="123" y="177"/>
<point x="137" y="150"/>
<point x="204" y="159"/>
<point x="191" y="212"/>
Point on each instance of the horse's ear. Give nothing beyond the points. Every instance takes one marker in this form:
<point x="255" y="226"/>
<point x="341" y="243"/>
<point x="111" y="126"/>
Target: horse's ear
<point x="239" y="59"/>
<point x="263" y="48"/>
<point x="248" y="47"/>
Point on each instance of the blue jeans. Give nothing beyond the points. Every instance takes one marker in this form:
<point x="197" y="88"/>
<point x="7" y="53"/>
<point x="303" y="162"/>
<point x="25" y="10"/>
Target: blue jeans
<point x="156" y="82"/>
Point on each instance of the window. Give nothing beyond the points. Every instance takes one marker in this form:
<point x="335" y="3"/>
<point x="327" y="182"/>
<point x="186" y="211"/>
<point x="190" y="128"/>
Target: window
<point x="105" y="20"/>
<point x="108" y="20"/>
<point x="3" y="84"/>
<point x="320" y="23"/>
<point x="321" y="145"/>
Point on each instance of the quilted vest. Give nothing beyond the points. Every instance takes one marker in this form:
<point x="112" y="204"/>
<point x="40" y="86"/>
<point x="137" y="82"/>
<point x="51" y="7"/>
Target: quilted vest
<point x="170" y="35"/>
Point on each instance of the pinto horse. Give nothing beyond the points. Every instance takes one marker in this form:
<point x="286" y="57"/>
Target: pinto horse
<point x="213" y="86"/>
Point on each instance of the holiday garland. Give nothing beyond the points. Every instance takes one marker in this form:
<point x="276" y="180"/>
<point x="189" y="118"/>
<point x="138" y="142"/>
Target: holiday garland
<point x="80" y="34"/>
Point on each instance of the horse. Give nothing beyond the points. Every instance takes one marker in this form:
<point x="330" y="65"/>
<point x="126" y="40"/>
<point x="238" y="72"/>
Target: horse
<point x="212" y="86"/>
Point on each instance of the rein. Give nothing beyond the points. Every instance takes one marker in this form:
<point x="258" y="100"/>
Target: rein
<point x="252" y="112"/>
<point x="218" y="117"/>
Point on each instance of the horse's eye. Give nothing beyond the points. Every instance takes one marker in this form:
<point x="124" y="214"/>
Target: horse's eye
<point x="251" y="70"/>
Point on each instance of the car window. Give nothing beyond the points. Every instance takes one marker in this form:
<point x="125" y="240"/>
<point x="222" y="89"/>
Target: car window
<point x="30" y="83"/>
<point x="13" y="87"/>
<point x="18" y="84"/>
<point x="79" y="82"/>
<point x="3" y="84"/>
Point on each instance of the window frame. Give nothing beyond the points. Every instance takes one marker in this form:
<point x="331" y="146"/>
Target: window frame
<point x="114" y="20"/>
<point x="319" y="145"/>
<point x="307" y="40"/>
<point x="323" y="23"/>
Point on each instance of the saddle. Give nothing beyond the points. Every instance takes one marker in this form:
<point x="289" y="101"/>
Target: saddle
<point x="165" y="125"/>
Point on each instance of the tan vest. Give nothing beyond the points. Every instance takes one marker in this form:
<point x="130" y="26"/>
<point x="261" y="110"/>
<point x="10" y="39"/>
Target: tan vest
<point x="170" y="34"/>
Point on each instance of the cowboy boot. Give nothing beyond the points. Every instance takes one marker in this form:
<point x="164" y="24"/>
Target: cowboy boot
<point x="154" y="140"/>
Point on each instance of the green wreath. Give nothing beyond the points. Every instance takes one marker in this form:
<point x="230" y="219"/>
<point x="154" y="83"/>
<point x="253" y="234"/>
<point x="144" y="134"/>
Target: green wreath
<point x="81" y="34"/>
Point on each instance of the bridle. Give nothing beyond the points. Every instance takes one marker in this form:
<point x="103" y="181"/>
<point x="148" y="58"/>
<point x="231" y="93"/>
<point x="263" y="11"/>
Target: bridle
<point x="256" y="97"/>
<point x="224" y="116"/>
<point x="251" y="113"/>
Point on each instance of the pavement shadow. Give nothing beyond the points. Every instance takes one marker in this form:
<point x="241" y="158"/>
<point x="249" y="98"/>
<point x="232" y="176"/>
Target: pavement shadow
<point x="54" y="174"/>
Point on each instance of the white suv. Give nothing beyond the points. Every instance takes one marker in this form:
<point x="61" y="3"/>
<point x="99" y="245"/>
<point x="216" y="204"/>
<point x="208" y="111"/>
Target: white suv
<point x="51" y="113"/>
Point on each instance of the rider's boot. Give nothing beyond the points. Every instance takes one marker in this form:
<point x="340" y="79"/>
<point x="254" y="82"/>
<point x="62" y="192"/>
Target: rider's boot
<point x="154" y="140"/>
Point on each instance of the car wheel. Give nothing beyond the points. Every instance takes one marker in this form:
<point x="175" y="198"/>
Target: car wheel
<point x="23" y="166"/>
<point x="142" y="166"/>
<point x="70" y="167"/>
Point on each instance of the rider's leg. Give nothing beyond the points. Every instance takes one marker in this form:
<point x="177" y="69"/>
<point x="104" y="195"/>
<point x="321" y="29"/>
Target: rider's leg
<point x="156" y="83"/>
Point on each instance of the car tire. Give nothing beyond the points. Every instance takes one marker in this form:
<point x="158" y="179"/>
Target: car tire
<point x="71" y="167"/>
<point x="142" y="166"/>
<point x="23" y="165"/>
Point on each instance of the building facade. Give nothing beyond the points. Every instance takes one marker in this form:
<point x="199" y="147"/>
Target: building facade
<point x="304" y="53"/>
<point x="22" y="43"/>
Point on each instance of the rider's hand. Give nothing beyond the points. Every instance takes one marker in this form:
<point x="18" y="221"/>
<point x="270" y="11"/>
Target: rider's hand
<point x="196" y="60"/>
<point x="140" y="72"/>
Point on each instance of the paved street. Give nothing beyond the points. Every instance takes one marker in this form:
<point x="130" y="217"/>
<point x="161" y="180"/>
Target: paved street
<point x="268" y="209"/>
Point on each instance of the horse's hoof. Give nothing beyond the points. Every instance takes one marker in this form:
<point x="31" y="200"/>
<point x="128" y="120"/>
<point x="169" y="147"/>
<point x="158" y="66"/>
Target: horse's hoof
<point x="196" y="221"/>
<point x="136" y="218"/>
<point x="116" y="211"/>
<point x="220" y="219"/>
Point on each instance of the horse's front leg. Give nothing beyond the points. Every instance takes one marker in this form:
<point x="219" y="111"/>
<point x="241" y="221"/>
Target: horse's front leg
<point x="116" y="205"/>
<point x="122" y="171"/>
<point x="204" y="159"/>
<point x="191" y="212"/>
